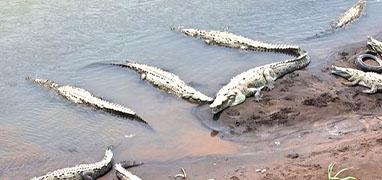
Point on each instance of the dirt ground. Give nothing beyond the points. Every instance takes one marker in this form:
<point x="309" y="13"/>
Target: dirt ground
<point x="332" y="122"/>
<point x="313" y="120"/>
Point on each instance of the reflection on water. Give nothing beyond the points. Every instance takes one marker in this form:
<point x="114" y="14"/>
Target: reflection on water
<point x="58" y="40"/>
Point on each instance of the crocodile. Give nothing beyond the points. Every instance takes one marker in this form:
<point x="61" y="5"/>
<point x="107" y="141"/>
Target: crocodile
<point x="82" y="171"/>
<point x="231" y="40"/>
<point x="356" y="77"/>
<point x="122" y="172"/>
<point x="252" y="81"/>
<point x="166" y="81"/>
<point x="81" y="96"/>
<point x="351" y="14"/>
<point x="374" y="45"/>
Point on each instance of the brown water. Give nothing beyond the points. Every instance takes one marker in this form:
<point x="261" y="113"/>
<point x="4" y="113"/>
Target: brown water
<point x="62" y="41"/>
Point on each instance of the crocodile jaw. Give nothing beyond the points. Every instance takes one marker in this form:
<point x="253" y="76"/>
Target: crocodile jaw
<point x="225" y="100"/>
<point x="44" y="82"/>
<point x="190" y="32"/>
<point x="343" y="72"/>
<point x="374" y="44"/>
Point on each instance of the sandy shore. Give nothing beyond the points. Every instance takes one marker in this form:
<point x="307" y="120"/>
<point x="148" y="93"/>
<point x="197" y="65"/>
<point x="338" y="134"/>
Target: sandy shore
<point x="308" y="121"/>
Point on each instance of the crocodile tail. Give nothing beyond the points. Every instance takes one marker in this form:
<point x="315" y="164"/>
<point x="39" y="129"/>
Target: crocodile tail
<point x="130" y="164"/>
<point x="109" y="151"/>
<point x="300" y="55"/>
<point x="301" y="61"/>
<point x="108" y="154"/>
<point x="124" y="65"/>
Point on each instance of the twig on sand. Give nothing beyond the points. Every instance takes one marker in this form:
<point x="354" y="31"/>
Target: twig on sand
<point x="183" y="175"/>
<point x="335" y="177"/>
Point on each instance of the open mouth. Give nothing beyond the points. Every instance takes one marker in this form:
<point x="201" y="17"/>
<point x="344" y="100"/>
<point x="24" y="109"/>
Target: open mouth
<point x="215" y="109"/>
<point x="333" y="70"/>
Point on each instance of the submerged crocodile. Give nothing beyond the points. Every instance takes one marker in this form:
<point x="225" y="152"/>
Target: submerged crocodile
<point x="122" y="172"/>
<point x="252" y="81"/>
<point x="357" y="77"/>
<point x="346" y="18"/>
<point x="235" y="41"/>
<point x="374" y="45"/>
<point x="81" y="96"/>
<point x="82" y="171"/>
<point x="166" y="81"/>
<point x="351" y="14"/>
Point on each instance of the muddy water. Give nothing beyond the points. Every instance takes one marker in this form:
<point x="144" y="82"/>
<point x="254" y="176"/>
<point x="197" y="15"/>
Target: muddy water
<point x="62" y="41"/>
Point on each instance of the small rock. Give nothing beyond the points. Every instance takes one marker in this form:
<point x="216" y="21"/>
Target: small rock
<point x="293" y="156"/>
<point x="129" y="135"/>
<point x="344" y="53"/>
<point x="234" y="178"/>
<point x="261" y="170"/>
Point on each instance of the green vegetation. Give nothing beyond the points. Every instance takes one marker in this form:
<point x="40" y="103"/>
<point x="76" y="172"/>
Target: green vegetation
<point x="335" y="177"/>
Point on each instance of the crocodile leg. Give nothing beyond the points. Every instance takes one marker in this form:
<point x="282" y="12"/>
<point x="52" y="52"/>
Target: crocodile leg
<point x="86" y="176"/>
<point x="352" y="83"/>
<point x="143" y="76"/>
<point x="256" y="91"/>
<point x="240" y="98"/>
<point x="270" y="77"/>
<point x="208" y="42"/>
<point x="372" y="90"/>
<point x="243" y="47"/>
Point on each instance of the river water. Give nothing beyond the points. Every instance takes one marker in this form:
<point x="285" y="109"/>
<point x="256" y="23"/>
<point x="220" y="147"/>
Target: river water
<point x="63" y="40"/>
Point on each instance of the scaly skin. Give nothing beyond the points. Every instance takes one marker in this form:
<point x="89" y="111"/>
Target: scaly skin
<point x="167" y="81"/>
<point x="82" y="171"/>
<point x="351" y="15"/>
<point x="227" y="39"/>
<point x="356" y="77"/>
<point x="374" y="44"/>
<point x="123" y="174"/>
<point x="81" y="96"/>
<point x="251" y="82"/>
<point x="234" y="41"/>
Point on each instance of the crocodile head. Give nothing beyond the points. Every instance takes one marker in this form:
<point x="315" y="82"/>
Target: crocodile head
<point x="225" y="99"/>
<point x="343" y="72"/>
<point x="189" y="32"/>
<point x="43" y="82"/>
<point x="374" y="44"/>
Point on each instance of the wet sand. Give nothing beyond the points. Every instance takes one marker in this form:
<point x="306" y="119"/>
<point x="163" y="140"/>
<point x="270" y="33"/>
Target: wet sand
<point x="308" y="121"/>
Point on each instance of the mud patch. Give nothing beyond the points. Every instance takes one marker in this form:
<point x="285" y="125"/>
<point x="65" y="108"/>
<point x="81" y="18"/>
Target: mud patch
<point x="321" y="101"/>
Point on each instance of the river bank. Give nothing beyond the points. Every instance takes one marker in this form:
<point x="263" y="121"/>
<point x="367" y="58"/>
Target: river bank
<point x="308" y="121"/>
